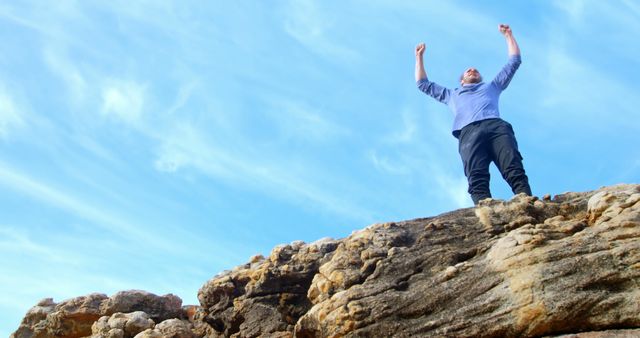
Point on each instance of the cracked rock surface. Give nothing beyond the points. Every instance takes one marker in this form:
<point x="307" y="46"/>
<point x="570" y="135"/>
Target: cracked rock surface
<point x="562" y="267"/>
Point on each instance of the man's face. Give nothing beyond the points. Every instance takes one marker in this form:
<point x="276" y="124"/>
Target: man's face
<point x="471" y="75"/>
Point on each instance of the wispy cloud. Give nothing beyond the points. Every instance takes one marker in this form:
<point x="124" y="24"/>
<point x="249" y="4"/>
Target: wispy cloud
<point x="125" y="234"/>
<point x="574" y="9"/>
<point x="63" y="67"/>
<point x="384" y="164"/>
<point x="299" y="121"/>
<point x="568" y="84"/>
<point x="15" y="241"/>
<point x="188" y="147"/>
<point x="408" y="130"/>
<point x="19" y="17"/>
<point x="124" y="100"/>
<point x="582" y="13"/>
<point x="19" y="182"/>
<point x="633" y="6"/>
<point x="306" y="22"/>
<point x="185" y="92"/>
<point x="11" y="115"/>
<point x="454" y="187"/>
<point x="419" y="147"/>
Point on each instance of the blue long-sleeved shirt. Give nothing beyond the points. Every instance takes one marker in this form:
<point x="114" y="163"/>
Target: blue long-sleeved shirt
<point x="473" y="102"/>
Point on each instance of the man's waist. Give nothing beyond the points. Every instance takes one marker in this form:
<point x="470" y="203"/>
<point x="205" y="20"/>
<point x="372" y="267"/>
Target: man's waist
<point x="456" y="132"/>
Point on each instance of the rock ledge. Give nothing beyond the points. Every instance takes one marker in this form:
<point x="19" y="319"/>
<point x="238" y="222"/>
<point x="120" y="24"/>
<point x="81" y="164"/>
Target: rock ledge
<point x="562" y="267"/>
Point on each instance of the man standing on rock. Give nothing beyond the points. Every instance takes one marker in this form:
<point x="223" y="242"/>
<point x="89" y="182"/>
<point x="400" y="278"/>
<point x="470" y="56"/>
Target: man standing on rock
<point x="483" y="137"/>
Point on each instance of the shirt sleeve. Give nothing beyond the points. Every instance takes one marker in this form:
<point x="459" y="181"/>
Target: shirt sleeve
<point x="434" y="90"/>
<point x="504" y="77"/>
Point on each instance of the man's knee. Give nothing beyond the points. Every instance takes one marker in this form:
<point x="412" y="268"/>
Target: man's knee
<point x="479" y="185"/>
<point x="518" y="181"/>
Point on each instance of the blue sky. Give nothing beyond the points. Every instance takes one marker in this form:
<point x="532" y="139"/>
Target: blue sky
<point x="152" y="145"/>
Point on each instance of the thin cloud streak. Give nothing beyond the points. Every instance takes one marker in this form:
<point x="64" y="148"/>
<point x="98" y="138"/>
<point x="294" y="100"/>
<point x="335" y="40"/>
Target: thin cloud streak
<point x="573" y="79"/>
<point x="126" y="101"/>
<point x="299" y="121"/>
<point x="11" y="115"/>
<point x="18" y="242"/>
<point x="187" y="147"/>
<point x="67" y="71"/>
<point x="49" y="195"/>
<point x="307" y="24"/>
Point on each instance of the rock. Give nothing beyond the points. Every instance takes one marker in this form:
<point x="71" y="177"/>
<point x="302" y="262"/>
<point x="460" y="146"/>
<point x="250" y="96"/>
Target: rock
<point x="34" y="322"/>
<point x="531" y="268"/>
<point x="149" y="333"/>
<point x="603" y="334"/>
<point x="75" y="317"/>
<point x="567" y="266"/>
<point x="69" y="319"/>
<point x="170" y="328"/>
<point x="123" y="325"/>
<point x="158" y="308"/>
<point x="137" y="322"/>
<point x="264" y="296"/>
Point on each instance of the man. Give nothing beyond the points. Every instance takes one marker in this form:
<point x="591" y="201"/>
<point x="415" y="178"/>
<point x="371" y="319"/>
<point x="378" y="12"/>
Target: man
<point x="483" y="137"/>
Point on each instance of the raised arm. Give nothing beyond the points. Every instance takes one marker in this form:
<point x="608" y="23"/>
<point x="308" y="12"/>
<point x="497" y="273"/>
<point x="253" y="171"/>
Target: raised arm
<point x="511" y="41"/>
<point x="420" y="73"/>
<point x="432" y="89"/>
<point x="506" y="74"/>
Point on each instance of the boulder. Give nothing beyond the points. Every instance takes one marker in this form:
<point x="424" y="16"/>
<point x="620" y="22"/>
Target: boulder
<point x="170" y="328"/>
<point x="75" y="317"/>
<point x="121" y="325"/>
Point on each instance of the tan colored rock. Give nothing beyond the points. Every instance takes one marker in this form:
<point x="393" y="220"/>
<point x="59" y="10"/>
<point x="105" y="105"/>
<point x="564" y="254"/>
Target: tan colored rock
<point x="149" y="333"/>
<point x="170" y="328"/>
<point x="158" y="308"/>
<point x="34" y="323"/>
<point x="75" y="317"/>
<point x="264" y="296"/>
<point x="522" y="268"/>
<point x="69" y="319"/>
<point x="562" y="267"/>
<point x="124" y="325"/>
<point x="603" y="334"/>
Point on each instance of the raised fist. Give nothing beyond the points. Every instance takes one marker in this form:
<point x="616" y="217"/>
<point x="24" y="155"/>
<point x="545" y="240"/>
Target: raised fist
<point x="504" y="29"/>
<point x="420" y="49"/>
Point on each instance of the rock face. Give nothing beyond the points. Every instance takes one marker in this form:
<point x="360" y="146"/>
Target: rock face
<point x="562" y="267"/>
<point x="75" y="317"/>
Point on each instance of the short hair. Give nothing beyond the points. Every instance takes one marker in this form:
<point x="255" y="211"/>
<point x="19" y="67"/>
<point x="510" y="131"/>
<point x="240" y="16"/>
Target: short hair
<point x="462" y="76"/>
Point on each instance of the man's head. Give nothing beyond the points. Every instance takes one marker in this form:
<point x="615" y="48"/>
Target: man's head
<point x="471" y="75"/>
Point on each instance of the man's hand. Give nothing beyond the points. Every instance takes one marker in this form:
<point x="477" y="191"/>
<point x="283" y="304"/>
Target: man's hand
<point x="420" y="73"/>
<point x="511" y="41"/>
<point x="504" y="29"/>
<point x="420" y="49"/>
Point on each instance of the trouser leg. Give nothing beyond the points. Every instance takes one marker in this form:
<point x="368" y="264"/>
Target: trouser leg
<point x="475" y="159"/>
<point x="505" y="154"/>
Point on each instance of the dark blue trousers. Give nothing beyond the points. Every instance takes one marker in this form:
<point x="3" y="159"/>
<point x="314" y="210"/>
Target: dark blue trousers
<point x="486" y="141"/>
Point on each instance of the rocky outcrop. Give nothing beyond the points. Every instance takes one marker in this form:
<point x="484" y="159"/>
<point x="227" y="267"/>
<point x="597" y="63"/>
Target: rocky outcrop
<point x="528" y="267"/>
<point x="267" y="295"/>
<point x="522" y="268"/>
<point x="75" y="317"/>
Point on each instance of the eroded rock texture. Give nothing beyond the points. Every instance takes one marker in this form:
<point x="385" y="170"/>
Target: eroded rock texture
<point x="75" y="317"/>
<point x="562" y="267"/>
<point x="267" y="296"/>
